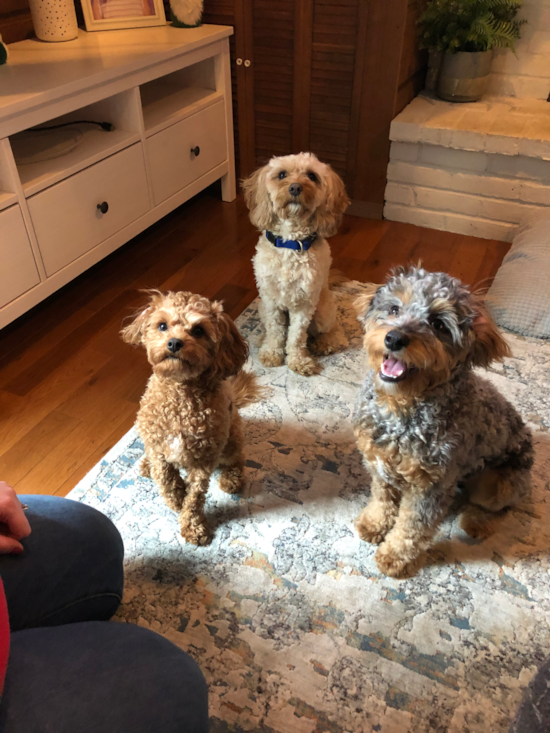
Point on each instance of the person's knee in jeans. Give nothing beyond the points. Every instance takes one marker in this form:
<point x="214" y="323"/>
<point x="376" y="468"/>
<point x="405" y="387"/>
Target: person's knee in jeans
<point x="67" y="569"/>
<point x="70" y="567"/>
<point x="101" y="677"/>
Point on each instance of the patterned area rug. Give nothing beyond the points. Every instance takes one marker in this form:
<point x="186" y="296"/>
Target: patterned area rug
<point x="286" y="613"/>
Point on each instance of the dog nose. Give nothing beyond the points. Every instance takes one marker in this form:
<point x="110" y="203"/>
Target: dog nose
<point x="174" y="345"/>
<point x="395" y="340"/>
<point x="295" y="189"/>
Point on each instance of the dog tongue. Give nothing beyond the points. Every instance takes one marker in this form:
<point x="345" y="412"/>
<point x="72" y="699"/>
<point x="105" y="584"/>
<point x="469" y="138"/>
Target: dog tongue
<point x="393" y="367"/>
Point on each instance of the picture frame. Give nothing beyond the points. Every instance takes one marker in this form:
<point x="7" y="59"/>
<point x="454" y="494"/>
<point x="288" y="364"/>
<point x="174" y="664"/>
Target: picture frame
<point x="110" y="15"/>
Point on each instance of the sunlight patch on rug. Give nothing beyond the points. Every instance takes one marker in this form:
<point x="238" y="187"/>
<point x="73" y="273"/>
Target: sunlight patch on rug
<point x="286" y="612"/>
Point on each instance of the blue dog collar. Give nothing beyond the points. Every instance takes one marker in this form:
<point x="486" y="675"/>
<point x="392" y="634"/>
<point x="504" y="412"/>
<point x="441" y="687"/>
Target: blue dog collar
<point x="296" y="244"/>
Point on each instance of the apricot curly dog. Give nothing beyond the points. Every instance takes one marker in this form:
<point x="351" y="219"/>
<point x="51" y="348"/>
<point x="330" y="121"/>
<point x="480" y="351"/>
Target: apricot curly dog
<point x="188" y="417"/>
<point x="425" y="422"/>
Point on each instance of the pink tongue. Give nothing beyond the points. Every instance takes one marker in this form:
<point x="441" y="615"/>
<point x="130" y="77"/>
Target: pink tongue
<point x="393" y="368"/>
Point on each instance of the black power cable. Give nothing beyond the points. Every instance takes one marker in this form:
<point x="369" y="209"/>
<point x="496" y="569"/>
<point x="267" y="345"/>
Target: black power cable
<point x="108" y="126"/>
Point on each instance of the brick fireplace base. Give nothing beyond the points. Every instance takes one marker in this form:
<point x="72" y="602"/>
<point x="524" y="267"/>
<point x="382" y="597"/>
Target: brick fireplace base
<point x="476" y="169"/>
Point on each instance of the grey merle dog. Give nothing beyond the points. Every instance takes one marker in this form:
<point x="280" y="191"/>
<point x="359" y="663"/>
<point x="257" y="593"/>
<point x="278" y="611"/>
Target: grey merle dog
<point x="425" y="421"/>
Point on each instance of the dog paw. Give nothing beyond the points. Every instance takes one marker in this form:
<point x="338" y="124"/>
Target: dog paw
<point x="370" y="532"/>
<point x="322" y="349"/>
<point x="307" y="366"/>
<point x="477" y="523"/>
<point x="145" y="467"/>
<point x="231" y="480"/>
<point x="327" y="344"/>
<point x="272" y="357"/>
<point x="390" y="563"/>
<point x="196" y="534"/>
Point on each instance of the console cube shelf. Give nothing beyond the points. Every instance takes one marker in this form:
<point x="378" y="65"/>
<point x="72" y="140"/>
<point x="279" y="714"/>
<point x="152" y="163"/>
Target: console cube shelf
<point x="71" y="195"/>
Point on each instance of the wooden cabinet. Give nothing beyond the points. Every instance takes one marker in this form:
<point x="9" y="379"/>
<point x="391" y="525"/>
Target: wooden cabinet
<point x="185" y="151"/>
<point x="322" y="75"/>
<point x="18" y="271"/>
<point x="137" y="122"/>
<point x="74" y="216"/>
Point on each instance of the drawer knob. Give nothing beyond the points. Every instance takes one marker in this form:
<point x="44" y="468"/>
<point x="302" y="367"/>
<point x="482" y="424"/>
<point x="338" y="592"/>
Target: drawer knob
<point x="196" y="151"/>
<point x="103" y="207"/>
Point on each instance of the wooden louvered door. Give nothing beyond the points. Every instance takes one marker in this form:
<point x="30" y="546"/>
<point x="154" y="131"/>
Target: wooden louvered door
<point x="272" y="75"/>
<point x="322" y="75"/>
<point x="300" y="78"/>
<point x="335" y="42"/>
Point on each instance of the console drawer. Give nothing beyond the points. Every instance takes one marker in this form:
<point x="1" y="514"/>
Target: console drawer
<point x="67" y="219"/>
<point x="173" y="162"/>
<point x="18" y="271"/>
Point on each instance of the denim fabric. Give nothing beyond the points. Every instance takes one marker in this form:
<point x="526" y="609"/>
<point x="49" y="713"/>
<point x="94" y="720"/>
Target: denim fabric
<point x="71" y="569"/>
<point x="97" y="677"/>
<point x="69" y="671"/>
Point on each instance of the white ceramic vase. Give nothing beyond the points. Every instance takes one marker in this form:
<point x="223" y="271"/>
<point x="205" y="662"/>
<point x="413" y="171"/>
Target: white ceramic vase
<point x="186" y="13"/>
<point x="54" y="20"/>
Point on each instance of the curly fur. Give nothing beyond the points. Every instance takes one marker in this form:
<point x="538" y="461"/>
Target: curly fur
<point x="188" y="416"/>
<point x="294" y="286"/>
<point x="425" y="422"/>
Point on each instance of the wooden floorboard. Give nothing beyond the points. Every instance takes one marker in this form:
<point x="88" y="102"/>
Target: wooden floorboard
<point x="70" y="388"/>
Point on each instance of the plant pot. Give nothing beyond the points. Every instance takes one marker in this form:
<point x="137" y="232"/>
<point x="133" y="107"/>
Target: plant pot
<point x="434" y="65"/>
<point x="464" y="76"/>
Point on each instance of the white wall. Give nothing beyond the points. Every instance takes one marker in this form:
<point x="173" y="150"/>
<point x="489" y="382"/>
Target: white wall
<point x="528" y="75"/>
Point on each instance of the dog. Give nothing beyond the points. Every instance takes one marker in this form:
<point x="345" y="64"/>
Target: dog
<point x="296" y="202"/>
<point x="426" y="423"/>
<point x="188" y="416"/>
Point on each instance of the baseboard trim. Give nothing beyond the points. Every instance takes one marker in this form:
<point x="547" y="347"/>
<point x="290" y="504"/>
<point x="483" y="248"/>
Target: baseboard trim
<point x="365" y="209"/>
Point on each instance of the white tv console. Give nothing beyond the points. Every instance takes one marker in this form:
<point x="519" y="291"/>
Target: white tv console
<point x="166" y="90"/>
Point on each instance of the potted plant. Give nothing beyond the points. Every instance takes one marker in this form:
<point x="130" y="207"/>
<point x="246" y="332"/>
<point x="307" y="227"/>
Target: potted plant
<point x="461" y="36"/>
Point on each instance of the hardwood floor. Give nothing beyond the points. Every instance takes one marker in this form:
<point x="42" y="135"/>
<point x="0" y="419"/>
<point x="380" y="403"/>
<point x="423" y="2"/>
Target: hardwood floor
<point x="69" y="387"/>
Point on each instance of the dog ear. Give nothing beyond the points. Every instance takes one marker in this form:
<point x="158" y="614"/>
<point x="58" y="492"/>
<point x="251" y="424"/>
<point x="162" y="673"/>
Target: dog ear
<point x="329" y="214"/>
<point x="232" y="348"/>
<point x="133" y="332"/>
<point x="362" y="304"/>
<point x="489" y="344"/>
<point x="257" y="199"/>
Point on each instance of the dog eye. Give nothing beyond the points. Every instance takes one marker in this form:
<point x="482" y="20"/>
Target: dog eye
<point x="282" y="174"/>
<point x="163" y="326"/>
<point x="197" y="331"/>
<point x="438" y="325"/>
<point x="394" y="310"/>
<point x="312" y="177"/>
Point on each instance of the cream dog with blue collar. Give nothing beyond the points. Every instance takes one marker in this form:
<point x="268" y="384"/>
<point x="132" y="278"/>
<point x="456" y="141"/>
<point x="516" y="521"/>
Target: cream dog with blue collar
<point x="296" y="202"/>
